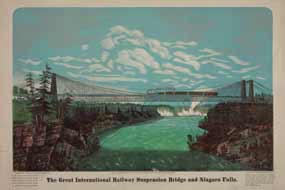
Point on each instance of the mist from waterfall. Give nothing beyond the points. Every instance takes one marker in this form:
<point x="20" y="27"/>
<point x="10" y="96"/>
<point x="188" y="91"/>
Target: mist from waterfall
<point x="168" y="111"/>
<point x="165" y="111"/>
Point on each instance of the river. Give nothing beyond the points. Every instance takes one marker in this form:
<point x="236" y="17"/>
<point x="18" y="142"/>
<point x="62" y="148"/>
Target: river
<point x="155" y="145"/>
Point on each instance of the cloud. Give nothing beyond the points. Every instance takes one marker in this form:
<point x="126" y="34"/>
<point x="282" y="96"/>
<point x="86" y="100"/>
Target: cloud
<point x="84" y="47"/>
<point x="119" y="33"/>
<point x="183" y="86"/>
<point x="29" y="61"/>
<point x="33" y="72"/>
<point x="177" y="68"/>
<point x="113" y="79"/>
<point x="104" y="56"/>
<point x="217" y="64"/>
<point x="179" y="47"/>
<point x="164" y="72"/>
<point x="187" y="71"/>
<point x="129" y="73"/>
<point x="198" y="82"/>
<point x="107" y="78"/>
<point x="124" y="58"/>
<point x="137" y="58"/>
<point x="118" y="30"/>
<point x="119" y="68"/>
<point x="238" y="61"/>
<point x="187" y="59"/>
<point x="245" y="77"/>
<point x="108" y="43"/>
<point x="135" y="42"/>
<point x="210" y="53"/>
<point x="122" y="30"/>
<point x="144" y="57"/>
<point x="185" y="79"/>
<point x="260" y="78"/>
<point x="117" y="39"/>
<point x="110" y="64"/>
<point x="170" y="81"/>
<point x="180" y="44"/>
<point x="203" y="87"/>
<point x="245" y="70"/>
<point x="99" y="68"/>
<point x="75" y="59"/>
<point x="64" y="58"/>
<point x="219" y="60"/>
<point x="73" y="75"/>
<point x="136" y="38"/>
<point x="66" y="65"/>
<point x="156" y="47"/>
<point x="223" y="73"/>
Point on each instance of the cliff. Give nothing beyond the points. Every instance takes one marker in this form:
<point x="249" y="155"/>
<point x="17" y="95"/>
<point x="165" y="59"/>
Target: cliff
<point x="239" y="132"/>
<point x="59" y="145"/>
<point x="102" y="117"/>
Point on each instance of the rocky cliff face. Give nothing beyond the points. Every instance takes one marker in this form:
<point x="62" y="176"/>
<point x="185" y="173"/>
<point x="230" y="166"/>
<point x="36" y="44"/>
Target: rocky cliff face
<point x="33" y="149"/>
<point x="50" y="149"/>
<point x="59" y="146"/>
<point x="239" y="132"/>
<point x="100" y="118"/>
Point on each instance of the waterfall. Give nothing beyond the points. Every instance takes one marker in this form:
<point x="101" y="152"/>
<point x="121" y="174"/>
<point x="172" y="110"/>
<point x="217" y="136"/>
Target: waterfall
<point x="168" y="111"/>
<point x="190" y="111"/>
<point x="165" y="111"/>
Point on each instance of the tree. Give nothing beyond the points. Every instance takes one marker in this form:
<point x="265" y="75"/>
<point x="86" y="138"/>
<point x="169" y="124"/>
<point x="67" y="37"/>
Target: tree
<point x="30" y="84"/>
<point x="42" y="101"/>
<point x="63" y="106"/>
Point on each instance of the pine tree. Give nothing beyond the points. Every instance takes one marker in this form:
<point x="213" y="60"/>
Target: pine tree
<point x="64" y="106"/>
<point x="42" y="101"/>
<point x="30" y="84"/>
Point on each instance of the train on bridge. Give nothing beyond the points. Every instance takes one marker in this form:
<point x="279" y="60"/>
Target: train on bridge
<point x="173" y="91"/>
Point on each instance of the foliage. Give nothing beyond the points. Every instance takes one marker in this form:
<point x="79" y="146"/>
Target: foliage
<point x="21" y="112"/>
<point x="63" y="106"/>
<point x="30" y="83"/>
<point x="40" y="105"/>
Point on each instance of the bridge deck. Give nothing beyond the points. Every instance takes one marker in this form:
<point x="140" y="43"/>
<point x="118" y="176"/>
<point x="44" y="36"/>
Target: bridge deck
<point x="112" y="98"/>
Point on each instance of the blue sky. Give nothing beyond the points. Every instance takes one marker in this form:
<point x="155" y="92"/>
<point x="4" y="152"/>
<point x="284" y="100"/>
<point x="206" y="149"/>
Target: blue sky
<point x="142" y="48"/>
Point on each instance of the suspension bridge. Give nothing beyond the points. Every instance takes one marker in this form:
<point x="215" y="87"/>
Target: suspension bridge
<point x="240" y="91"/>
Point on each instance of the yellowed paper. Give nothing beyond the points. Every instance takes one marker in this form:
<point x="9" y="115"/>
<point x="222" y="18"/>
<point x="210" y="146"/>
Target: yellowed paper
<point x="148" y="54"/>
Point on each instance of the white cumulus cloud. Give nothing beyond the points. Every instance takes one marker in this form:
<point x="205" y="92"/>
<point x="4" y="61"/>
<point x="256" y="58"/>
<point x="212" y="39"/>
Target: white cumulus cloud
<point x="108" y="43"/>
<point x="156" y="47"/>
<point x="124" y="58"/>
<point x="186" y="59"/>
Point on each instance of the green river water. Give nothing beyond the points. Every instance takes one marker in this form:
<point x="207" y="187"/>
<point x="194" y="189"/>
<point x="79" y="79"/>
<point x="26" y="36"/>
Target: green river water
<point x="155" y="145"/>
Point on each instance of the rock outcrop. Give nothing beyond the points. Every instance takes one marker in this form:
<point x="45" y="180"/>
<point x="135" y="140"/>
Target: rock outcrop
<point x="59" y="145"/>
<point x="56" y="149"/>
<point x="239" y="132"/>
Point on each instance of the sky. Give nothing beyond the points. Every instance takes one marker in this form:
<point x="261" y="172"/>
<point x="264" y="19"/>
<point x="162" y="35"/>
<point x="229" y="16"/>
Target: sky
<point x="137" y="49"/>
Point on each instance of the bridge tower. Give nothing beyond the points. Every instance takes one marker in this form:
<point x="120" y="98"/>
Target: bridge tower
<point x="243" y="90"/>
<point x="251" y="91"/>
